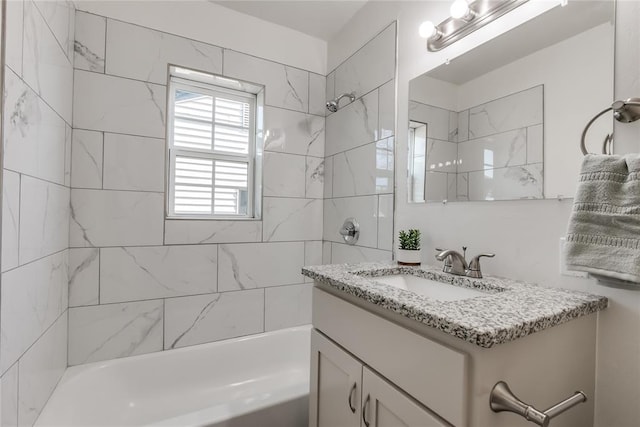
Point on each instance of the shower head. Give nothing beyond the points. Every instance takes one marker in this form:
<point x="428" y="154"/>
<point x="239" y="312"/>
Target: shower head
<point x="333" y="104"/>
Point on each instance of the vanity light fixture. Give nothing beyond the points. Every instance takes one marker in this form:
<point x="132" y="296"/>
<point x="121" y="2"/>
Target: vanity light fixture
<point x="465" y="19"/>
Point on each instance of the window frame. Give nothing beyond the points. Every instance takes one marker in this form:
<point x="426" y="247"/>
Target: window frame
<point x="175" y="83"/>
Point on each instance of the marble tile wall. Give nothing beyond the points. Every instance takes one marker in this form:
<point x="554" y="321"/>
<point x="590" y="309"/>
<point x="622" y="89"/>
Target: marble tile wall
<point x="35" y="213"/>
<point x="139" y="282"/>
<point x="492" y="151"/>
<point x="359" y="152"/>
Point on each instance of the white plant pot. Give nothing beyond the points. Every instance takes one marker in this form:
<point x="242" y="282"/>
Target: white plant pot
<point x="408" y="257"/>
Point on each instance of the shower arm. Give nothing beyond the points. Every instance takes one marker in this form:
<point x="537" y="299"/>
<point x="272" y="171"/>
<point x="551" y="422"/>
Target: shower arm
<point x="352" y="97"/>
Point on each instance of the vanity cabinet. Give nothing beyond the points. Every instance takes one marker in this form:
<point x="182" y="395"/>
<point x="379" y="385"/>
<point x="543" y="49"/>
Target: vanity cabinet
<point x="346" y="393"/>
<point x="400" y="372"/>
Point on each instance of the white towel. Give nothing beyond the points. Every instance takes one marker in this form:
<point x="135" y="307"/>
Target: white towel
<point x="604" y="229"/>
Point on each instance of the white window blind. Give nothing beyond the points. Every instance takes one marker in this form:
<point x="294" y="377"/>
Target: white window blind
<point x="212" y="149"/>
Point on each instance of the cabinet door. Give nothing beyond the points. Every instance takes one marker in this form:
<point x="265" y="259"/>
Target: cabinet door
<point x="386" y="406"/>
<point x="336" y="379"/>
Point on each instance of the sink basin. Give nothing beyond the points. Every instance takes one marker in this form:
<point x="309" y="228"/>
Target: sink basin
<point x="429" y="288"/>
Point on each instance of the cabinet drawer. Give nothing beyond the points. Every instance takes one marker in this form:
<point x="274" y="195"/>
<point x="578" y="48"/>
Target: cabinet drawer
<point x="431" y="373"/>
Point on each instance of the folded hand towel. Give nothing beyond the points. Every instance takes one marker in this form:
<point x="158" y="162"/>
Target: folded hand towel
<point x="604" y="229"/>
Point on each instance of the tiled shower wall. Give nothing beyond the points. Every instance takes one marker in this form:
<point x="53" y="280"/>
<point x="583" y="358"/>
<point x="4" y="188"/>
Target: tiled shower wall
<point x="142" y="283"/>
<point x="490" y="151"/>
<point x="35" y="212"/>
<point x="359" y="154"/>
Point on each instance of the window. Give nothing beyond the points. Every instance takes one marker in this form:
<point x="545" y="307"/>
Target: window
<point x="212" y="147"/>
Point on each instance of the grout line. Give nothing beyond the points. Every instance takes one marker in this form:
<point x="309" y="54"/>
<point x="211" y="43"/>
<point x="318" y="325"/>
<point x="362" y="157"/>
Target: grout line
<point x="36" y="260"/>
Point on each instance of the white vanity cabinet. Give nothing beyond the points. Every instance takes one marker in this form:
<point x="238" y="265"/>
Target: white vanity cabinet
<point x="346" y="393"/>
<point x="398" y="372"/>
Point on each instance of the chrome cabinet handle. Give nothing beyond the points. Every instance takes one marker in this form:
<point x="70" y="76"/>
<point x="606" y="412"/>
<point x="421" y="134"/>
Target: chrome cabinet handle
<point x="364" y="411"/>
<point x="353" y="389"/>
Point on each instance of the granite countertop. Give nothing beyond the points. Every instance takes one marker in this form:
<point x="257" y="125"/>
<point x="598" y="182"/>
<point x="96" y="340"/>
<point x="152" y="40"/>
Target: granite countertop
<point x="510" y="310"/>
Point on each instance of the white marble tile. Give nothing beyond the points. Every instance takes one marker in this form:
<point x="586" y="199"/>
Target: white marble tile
<point x="111" y="331"/>
<point x="185" y="231"/>
<point x="286" y="87"/>
<point x="517" y="182"/>
<point x="317" y="91"/>
<point x="356" y="173"/>
<point x="257" y="265"/>
<point x="9" y="398"/>
<point x="60" y="18"/>
<point x="387" y="110"/>
<point x="134" y="163"/>
<point x="442" y="156"/>
<point x="84" y="276"/>
<point x="495" y="151"/>
<point x="33" y="296"/>
<point x="34" y="135"/>
<point x="86" y="159"/>
<point x="140" y="273"/>
<point x="314" y="178"/>
<point x="294" y="133"/>
<point x="115" y="218"/>
<point x="341" y="253"/>
<point x="353" y="125"/>
<point x="326" y="252"/>
<point x="462" y="184"/>
<point x="452" y="186"/>
<point x="287" y="306"/>
<point x="89" y="47"/>
<point x="364" y="209"/>
<point x="514" y="111"/>
<point x="535" y="144"/>
<point x="436" y="187"/>
<point x="10" y="219"/>
<point x="115" y="104"/>
<point x="385" y="162"/>
<point x="44" y="218"/>
<point x="13" y="35"/>
<point x="207" y="318"/>
<point x="67" y="155"/>
<point x="291" y="219"/>
<point x="453" y="126"/>
<point x="143" y="54"/>
<point x="46" y="67"/>
<point x="330" y="90"/>
<point x="385" y="222"/>
<point x="436" y="119"/>
<point x="40" y="369"/>
<point x="283" y="175"/>
<point x="328" y="177"/>
<point x="463" y="126"/>
<point x="370" y="66"/>
<point x="312" y="254"/>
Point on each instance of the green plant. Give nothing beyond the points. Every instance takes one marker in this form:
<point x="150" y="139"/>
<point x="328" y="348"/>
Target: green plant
<point x="410" y="239"/>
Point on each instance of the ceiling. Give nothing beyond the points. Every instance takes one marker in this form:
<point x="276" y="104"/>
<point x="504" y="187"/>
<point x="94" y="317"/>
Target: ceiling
<point x="317" y="18"/>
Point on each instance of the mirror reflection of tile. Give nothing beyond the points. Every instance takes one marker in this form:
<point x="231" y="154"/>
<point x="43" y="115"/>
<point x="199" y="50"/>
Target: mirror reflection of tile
<point x="492" y="151"/>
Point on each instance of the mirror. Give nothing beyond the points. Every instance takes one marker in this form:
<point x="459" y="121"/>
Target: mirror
<point x="503" y="121"/>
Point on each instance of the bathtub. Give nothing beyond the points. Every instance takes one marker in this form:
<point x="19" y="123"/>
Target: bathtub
<point x="260" y="380"/>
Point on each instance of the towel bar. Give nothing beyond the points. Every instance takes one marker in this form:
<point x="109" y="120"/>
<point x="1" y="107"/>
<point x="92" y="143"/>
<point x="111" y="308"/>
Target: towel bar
<point x="503" y="399"/>
<point x="623" y="111"/>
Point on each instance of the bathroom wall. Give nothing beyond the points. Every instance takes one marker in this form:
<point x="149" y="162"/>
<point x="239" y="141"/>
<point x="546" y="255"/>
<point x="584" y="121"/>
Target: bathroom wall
<point x="523" y="234"/>
<point x="359" y="154"/>
<point x="142" y="283"/>
<point x="35" y="212"/>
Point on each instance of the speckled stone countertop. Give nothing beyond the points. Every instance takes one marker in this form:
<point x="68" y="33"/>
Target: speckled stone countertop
<point x="510" y="310"/>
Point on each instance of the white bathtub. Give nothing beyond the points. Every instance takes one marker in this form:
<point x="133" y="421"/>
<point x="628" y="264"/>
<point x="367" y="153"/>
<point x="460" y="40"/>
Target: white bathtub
<point x="260" y="380"/>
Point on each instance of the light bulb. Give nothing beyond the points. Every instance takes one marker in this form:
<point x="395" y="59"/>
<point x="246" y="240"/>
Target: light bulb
<point x="427" y="30"/>
<point x="460" y="10"/>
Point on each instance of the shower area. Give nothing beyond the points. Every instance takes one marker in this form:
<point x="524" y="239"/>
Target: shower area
<point x="93" y="269"/>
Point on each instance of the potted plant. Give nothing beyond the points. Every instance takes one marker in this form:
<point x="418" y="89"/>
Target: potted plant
<point x="409" y="251"/>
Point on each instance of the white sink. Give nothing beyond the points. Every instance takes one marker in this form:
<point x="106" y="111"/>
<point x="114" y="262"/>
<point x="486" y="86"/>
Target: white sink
<point x="429" y="288"/>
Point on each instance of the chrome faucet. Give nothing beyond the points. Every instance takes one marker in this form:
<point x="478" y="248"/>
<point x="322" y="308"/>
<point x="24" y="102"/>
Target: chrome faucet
<point x="456" y="263"/>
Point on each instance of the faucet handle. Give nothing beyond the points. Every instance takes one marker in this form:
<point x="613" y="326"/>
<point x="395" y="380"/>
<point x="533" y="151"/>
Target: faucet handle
<point x="474" y="266"/>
